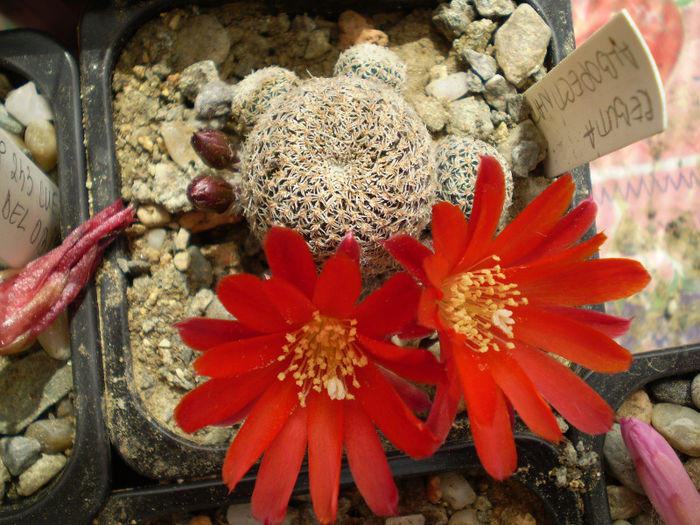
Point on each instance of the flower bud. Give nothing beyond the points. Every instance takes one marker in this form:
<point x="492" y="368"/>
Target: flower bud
<point x="215" y="148"/>
<point x="209" y="192"/>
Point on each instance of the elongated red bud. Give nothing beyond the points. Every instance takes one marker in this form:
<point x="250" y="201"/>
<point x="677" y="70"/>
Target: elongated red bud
<point x="211" y="193"/>
<point x="215" y="148"/>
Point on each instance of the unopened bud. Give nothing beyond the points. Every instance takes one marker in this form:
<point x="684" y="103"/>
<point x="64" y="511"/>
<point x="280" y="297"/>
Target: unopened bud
<point x="215" y="148"/>
<point x="209" y="192"/>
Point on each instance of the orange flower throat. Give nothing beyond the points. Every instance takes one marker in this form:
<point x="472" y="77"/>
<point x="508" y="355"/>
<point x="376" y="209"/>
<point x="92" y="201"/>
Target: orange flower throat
<point x="323" y="357"/>
<point x="474" y="303"/>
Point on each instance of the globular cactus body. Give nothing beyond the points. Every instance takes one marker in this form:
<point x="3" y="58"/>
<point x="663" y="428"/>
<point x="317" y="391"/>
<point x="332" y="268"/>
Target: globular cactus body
<point x="373" y="62"/>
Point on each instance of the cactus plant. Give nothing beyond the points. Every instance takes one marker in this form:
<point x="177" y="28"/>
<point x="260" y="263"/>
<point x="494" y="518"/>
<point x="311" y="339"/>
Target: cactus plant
<point x="370" y="61"/>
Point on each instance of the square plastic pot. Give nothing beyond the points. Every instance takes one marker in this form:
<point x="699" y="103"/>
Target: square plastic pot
<point x="105" y="29"/>
<point x="79" y="490"/>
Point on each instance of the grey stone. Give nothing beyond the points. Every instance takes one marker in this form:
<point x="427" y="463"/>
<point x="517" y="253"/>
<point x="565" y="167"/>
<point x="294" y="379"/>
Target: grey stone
<point x="672" y="390"/>
<point x="645" y="519"/>
<point x="477" y="36"/>
<point x="492" y="8"/>
<point x="483" y="65"/>
<point x="24" y="400"/>
<point x="319" y="44"/>
<point x="454" y="18"/>
<point x="202" y="38"/>
<point x="636" y="405"/>
<point x="471" y="116"/>
<point x="9" y="123"/>
<point x="27" y="105"/>
<point x="214" y="100"/>
<point x="177" y="136"/>
<point x="430" y="110"/>
<point x="40" y="473"/>
<point x="200" y="302"/>
<point x="695" y="390"/>
<point x="19" y="452"/>
<point x="621" y="522"/>
<point x="624" y="503"/>
<point x="410" y="519"/>
<point x="201" y="273"/>
<point x="54" y="435"/>
<point x="465" y="517"/>
<point x="497" y="91"/>
<point x="170" y="187"/>
<point x="619" y="460"/>
<point x="516" y="108"/>
<point x="450" y="87"/>
<point x="679" y="425"/>
<point x="521" y="44"/>
<point x="518" y="148"/>
<point x="182" y="239"/>
<point x="194" y="77"/>
<point x="692" y="467"/>
<point x="456" y="490"/>
<point x="65" y="408"/>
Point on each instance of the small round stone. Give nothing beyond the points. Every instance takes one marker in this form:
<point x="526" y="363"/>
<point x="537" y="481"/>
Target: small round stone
<point x="692" y="467"/>
<point x="19" y="453"/>
<point x="674" y="390"/>
<point x="464" y="517"/>
<point x="153" y="215"/>
<point x="55" y="435"/>
<point x="636" y="405"/>
<point x="624" y="503"/>
<point x="679" y="425"/>
<point x="619" y="460"/>
<point x="182" y="261"/>
<point x="40" y="138"/>
<point x="456" y="490"/>
<point x="695" y="390"/>
<point x="40" y="473"/>
<point x="411" y="519"/>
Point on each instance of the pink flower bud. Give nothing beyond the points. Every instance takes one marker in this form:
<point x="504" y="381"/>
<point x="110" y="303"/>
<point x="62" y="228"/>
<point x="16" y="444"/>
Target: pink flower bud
<point x="211" y="193"/>
<point x="663" y="477"/>
<point x="215" y="147"/>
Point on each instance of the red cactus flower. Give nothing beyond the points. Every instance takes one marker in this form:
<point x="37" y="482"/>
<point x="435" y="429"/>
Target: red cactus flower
<point x="34" y="297"/>
<point x="501" y="304"/>
<point x="307" y="365"/>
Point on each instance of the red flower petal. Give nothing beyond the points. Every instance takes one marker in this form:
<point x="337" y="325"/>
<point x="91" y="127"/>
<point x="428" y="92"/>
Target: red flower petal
<point x="388" y="309"/>
<point x="411" y="363"/>
<point x="239" y="357"/>
<point x="279" y="469"/>
<point x="409" y="253"/>
<point x="349" y="247"/>
<point x="566" y="232"/>
<point x="391" y="415"/>
<point x="444" y="409"/>
<point x="415" y="398"/>
<point x="202" y="333"/>
<point x="325" y="452"/>
<point x="367" y="461"/>
<point x="338" y="287"/>
<point x="219" y="398"/>
<point x="262" y="426"/>
<point x="289" y="258"/>
<point x="570" y="339"/>
<point x="488" y="416"/>
<point x="534" y="222"/>
<point x="244" y="296"/>
<point x="588" y="282"/>
<point x="610" y="325"/>
<point x="523" y="395"/>
<point x="290" y="302"/>
<point x="449" y="232"/>
<point x="436" y="269"/>
<point x="489" y="194"/>
<point x="428" y="309"/>
<point x="566" y="391"/>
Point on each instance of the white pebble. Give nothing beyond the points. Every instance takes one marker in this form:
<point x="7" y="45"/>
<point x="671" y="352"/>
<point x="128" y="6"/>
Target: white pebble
<point x="55" y="339"/>
<point x="464" y="517"/>
<point x="456" y="490"/>
<point x="156" y="237"/>
<point x="182" y="239"/>
<point x="450" y="87"/>
<point x="182" y="261"/>
<point x="411" y="519"/>
<point x="178" y="137"/>
<point x="40" y="473"/>
<point x="40" y="138"/>
<point x="241" y="515"/>
<point x="28" y="106"/>
<point x="152" y="215"/>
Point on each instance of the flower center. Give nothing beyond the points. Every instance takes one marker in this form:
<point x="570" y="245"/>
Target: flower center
<point x="474" y="303"/>
<point x="324" y="356"/>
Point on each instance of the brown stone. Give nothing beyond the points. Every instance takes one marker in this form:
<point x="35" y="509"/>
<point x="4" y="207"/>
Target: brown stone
<point x="637" y="405"/>
<point x="354" y="29"/>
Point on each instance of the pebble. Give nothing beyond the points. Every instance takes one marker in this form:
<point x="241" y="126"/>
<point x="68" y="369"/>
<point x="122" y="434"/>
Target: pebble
<point x="450" y="87"/>
<point x="202" y="38"/>
<point x="201" y="273"/>
<point x="214" y="100"/>
<point x="9" y="123"/>
<point x="477" y="36"/>
<point x="621" y="522"/>
<point x="524" y="148"/>
<point x="619" y="460"/>
<point x="55" y="339"/>
<point x="353" y="28"/>
<point x="491" y="8"/>
<point x="19" y="452"/>
<point x="40" y="138"/>
<point x="430" y="110"/>
<point x="170" y="187"/>
<point x="152" y="215"/>
<point x="470" y="116"/>
<point x="695" y="390"/>
<point x="454" y="18"/>
<point x="241" y="514"/>
<point x="521" y="44"/>
<point x="498" y="91"/>
<point x="637" y="405"/>
<point x="182" y="261"/>
<point x="182" y="239"/>
<point x="679" y="425"/>
<point x="65" y="408"/>
<point x="464" y="517"/>
<point x="482" y="64"/>
<point x="40" y="473"/>
<point x="672" y="390"/>
<point x="200" y="302"/>
<point x="156" y="238"/>
<point x="178" y="141"/>
<point x="692" y="467"/>
<point x="456" y="490"/>
<point x="54" y="435"/>
<point x="27" y="105"/>
<point x="194" y="77"/>
<point x="513" y="516"/>
<point x="411" y="519"/>
<point x="624" y="503"/>
<point x="319" y="44"/>
<point x="23" y="400"/>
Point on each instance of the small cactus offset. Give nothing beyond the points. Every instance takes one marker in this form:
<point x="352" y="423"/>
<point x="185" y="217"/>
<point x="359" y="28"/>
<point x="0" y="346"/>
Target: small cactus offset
<point x="370" y="61"/>
<point x="340" y="154"/>
<point x="457" y="159"/>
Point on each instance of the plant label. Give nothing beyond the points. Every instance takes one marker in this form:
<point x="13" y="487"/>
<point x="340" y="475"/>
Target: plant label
<point x="605" y="95"/>
<point x="29" y="207"/>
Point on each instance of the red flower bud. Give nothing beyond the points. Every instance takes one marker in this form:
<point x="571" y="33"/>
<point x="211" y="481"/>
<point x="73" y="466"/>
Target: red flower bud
<point x="215" y="148"/>
<point x="211" y="193"/>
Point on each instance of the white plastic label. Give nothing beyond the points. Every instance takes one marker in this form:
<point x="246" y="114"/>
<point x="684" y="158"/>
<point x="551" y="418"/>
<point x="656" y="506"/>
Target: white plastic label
<point x="29" y="207"/>
<point x="603" y="96"/>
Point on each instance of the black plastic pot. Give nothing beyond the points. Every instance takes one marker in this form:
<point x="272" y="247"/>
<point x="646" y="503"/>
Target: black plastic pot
<point x="146" y="446"/>
<point x="646" y="368"/>
<point x="78" y="492"/>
